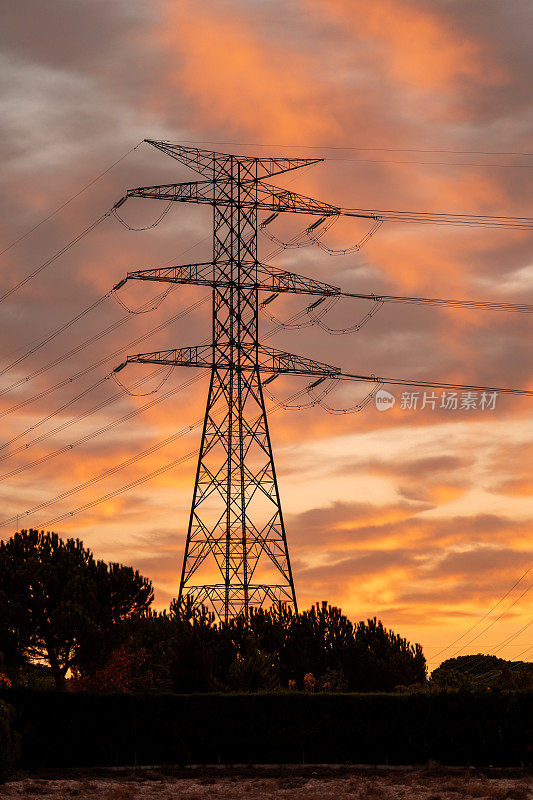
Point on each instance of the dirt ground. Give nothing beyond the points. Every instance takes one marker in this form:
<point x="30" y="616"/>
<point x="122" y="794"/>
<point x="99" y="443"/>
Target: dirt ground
<point x="433" y="783"/>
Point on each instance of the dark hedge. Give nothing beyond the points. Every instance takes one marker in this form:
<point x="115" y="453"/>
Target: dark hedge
<point x="9" y="741"/>
<point x="63" y="729"/>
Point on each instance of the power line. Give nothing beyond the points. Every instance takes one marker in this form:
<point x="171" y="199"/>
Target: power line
<point x="70" y="199"/>
<point x="443" y="218"/>
<point x="366" y="149"/>
<point x="99" y="431"/>
<point x="52" y="335"/>
<point x="74" y="351"/>
<point x="314" y="232"/>
<point x="56" y="255"/>
<point x="72" y="421"/>
<point x="117" y="468"/>
<point x="379" y="300"/>
<point x="471" y="304"/>
<point x="52" y="414"/>
<point x="138" y="481"/>
<point x="37" y="343"/>
<point x="121" y="490"/>
<point x="487" y="614"/>
<point x="98" y="407"/>
<point x="485" y="165"/>
<point x="84" y="372"/>
<point x="395" y="150"/>
<point x="184" y="193"/>
<point x="104" y="474"/>
<point x="494" y="621"/>
<point x="431" y="384"/>
<point x="480" y="658"/>
<point x="519" y="655"/>
<point x="512" y="636"/>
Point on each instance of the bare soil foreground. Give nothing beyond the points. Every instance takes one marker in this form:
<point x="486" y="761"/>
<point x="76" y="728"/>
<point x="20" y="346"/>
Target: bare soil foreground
<point x="320" y="783"/>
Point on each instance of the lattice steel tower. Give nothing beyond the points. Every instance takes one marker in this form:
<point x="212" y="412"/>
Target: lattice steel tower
<point x="236" y="530"/>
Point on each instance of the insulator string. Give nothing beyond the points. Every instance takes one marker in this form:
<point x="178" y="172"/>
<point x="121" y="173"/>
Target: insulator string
<point x="309" y="390"/>
<point x="317" y="239"/>
<point x="148" y="306"/>
<point x="357" y="325"/>
<point x="146" y="227"/>
<point x="356" y="407"/>
<point x="314" y="320"/>
<point x="143" y="394"/>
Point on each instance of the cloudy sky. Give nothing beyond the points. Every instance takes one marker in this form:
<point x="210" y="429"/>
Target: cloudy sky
<point x="421" y="517"/>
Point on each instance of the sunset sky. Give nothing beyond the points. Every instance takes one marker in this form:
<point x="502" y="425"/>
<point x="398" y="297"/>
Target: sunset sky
<point x="419" y="517"/>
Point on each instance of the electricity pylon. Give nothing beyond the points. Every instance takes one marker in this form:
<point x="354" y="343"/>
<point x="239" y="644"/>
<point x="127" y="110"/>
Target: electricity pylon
<point x="236" y="534"/>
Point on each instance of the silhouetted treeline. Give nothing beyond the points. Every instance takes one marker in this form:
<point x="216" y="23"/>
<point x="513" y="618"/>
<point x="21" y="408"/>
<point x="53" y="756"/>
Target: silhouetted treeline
<point x="89" y="625"/>
<point x="315" y="650"/>
<point x="474" y="672"/>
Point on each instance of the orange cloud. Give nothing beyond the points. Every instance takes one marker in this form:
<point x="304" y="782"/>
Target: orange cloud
<point x="419" y="45"/>
<point x="229" y="74"/>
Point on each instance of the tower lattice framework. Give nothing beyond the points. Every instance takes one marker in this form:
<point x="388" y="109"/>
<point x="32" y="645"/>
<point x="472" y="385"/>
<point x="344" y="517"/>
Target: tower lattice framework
<point x="236" y="530"/>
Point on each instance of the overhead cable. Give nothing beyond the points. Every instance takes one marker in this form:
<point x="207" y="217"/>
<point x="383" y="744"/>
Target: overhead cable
<point x="58" y="254"/>
<point x="70" y="199"/>
<point x="132" y="484"/>
<point x="99" y="431"/>
<point x="368" y="149"/>
<point x="487" y="614"/>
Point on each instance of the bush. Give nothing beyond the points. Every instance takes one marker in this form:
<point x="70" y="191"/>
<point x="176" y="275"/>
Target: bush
<point x="76" y="730"/>
<point x="125" y="672"/>
<point x="9" y="741"/>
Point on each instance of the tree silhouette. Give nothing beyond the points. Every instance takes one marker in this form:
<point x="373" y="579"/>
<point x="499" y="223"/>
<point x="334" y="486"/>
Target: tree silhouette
<point x="57" y="602"/>
<point x="276" y="647"/>
<point x="481" y="671"/>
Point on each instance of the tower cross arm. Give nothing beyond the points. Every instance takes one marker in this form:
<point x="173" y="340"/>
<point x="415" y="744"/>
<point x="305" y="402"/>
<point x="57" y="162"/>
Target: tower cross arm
<point x="274" y="279"/>
<point x="273" y="198"/>
<point x="255" y="194"/>
<point x="272" y="360"/>
<point x="209" y="162"/>
<point x="198" y="274"/>
<point x="269" y="279"/>
<point x="188" y="192"/>
<point x="194" y="356"/>
<point x="268" y="359"/>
